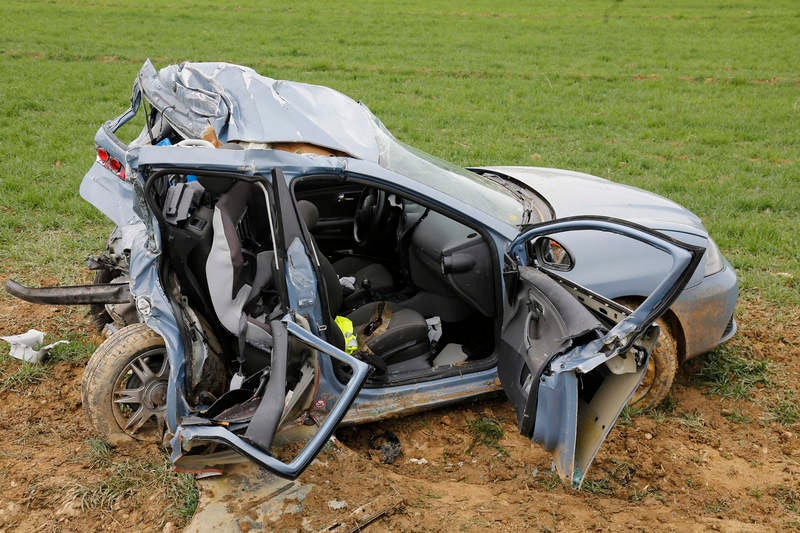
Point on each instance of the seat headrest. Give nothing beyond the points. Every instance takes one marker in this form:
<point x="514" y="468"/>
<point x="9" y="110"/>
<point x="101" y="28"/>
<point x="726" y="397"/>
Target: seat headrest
<point x="309" y="212"/>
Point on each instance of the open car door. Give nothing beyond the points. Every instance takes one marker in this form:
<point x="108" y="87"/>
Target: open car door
<point x="288" y="387"/>
<point x="570" y="359"/>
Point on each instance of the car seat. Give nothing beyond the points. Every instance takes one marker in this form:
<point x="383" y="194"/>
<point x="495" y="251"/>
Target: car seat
<point x="370" y="277"/>
<point x="234" y="282"/>
<point x="397" y="334"/>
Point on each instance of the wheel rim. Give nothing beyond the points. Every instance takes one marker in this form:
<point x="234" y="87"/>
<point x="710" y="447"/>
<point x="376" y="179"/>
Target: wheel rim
<point x="140" y="395"/>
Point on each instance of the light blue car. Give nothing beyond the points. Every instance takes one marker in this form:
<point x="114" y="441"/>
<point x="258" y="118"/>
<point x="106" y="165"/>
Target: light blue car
<point x="282" y="265"/>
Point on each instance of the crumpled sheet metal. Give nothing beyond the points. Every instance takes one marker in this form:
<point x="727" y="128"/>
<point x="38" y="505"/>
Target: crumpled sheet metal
<point x="242" y="105"/>
<point x="28" y="346"/>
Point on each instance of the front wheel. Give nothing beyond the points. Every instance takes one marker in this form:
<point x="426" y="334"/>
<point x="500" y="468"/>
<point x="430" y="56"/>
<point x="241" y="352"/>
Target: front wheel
<point x="661" y="370"/>
<point x="124" y="386"/>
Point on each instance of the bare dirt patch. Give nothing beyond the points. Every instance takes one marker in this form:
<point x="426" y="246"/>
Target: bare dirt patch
<point x="700" y="462"/>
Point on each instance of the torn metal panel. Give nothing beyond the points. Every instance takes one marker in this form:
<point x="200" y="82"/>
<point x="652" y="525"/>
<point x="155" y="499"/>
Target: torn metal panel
<point x="576" y="410"/>
<point x="246" y="498"/>
<point x="71" y="295"/>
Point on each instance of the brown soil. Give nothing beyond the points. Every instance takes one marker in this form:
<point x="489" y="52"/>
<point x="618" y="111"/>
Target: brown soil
<point x="706" y="463"/>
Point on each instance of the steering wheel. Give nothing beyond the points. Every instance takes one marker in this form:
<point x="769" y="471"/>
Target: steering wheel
<point x="369" y="214"/>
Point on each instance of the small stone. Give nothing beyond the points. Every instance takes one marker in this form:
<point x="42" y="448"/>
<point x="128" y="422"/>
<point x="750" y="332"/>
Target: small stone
<point x="71" y="508"/>
<point x="337" y="504"/>
<point x="648" y="436"/>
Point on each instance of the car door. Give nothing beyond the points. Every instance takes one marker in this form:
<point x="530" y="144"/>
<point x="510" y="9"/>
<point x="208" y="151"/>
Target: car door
<point x="293" y="373"/>
<point x="569" y="358"/>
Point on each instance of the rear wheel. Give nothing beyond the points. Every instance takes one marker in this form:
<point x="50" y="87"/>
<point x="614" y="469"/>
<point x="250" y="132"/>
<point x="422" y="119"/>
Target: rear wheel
<point x="124" y="386"/>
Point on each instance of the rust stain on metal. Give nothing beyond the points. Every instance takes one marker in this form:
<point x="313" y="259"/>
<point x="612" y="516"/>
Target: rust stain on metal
<point x="398" y="406"/>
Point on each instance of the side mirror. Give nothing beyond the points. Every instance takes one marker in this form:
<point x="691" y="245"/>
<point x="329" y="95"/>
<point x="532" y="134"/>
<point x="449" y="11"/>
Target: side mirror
<point x="551" y="254"/>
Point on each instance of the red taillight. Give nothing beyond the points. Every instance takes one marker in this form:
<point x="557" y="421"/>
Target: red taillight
<point x="110" y="163"/>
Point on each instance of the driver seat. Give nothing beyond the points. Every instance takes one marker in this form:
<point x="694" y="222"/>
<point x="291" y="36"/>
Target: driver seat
<point x="401" y="335"/>
<point x="370" y="277"/>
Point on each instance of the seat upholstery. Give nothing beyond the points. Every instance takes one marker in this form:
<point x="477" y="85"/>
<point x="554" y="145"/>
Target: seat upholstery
<point x="233" y="283"/>
<point x="403" y="336"/>
<point x="369" y="277"/>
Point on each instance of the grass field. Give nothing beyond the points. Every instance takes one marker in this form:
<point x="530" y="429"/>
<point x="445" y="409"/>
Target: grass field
<point x="698" y="102"/>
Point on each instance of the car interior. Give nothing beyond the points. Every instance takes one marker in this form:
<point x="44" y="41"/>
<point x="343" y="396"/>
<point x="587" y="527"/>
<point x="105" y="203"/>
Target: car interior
<point x="417" y="285"/>
<point x="383" y="254"/>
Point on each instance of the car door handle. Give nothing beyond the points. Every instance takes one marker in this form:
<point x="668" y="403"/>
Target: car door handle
<point x="342" y="197"/>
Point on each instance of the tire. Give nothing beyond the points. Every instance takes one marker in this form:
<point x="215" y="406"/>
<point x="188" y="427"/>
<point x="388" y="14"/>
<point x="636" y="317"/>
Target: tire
<point x="661" y="368"/>
<point x="130" y="365"/>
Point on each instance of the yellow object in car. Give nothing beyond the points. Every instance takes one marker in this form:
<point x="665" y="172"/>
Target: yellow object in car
<point x="350" y="340"/>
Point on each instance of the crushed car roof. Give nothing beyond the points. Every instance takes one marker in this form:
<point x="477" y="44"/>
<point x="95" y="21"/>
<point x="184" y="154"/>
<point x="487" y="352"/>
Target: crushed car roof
<point x="242" y="105"/>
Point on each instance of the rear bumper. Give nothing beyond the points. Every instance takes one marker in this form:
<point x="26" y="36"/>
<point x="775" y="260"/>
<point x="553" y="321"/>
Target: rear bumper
<point x="705" y="312"/>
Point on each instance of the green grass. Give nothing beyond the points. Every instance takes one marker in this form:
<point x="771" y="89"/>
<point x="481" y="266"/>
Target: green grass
<point x="598" y="487"/>
<point x="16" y="375"/>
<point x="132" y="478"/>
<point x="784" y="410"/>
<point x="697" y="101"/>
<point x="486" y="431"/>
<point x="732" y="375"/>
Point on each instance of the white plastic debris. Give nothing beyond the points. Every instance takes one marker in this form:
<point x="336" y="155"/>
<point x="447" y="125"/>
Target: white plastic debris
<point x="28" y="346"/>
<point x="434" y="328"/>
<point x="348" y="282"/>
<point x="416" y="461"/>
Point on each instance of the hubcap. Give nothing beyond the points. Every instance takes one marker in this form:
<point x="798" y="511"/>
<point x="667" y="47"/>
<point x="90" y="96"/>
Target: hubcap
<point x="140" y="395"/>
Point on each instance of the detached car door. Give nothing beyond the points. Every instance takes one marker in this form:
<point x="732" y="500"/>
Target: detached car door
<point x="569" y="358"/>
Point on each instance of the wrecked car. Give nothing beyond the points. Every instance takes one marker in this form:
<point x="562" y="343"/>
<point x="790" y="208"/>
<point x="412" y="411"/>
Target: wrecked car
<point x="283" y="265"/>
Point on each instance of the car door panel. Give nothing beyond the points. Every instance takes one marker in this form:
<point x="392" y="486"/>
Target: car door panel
<point x="543" y="320"/>
<point x="570" y="370"/>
